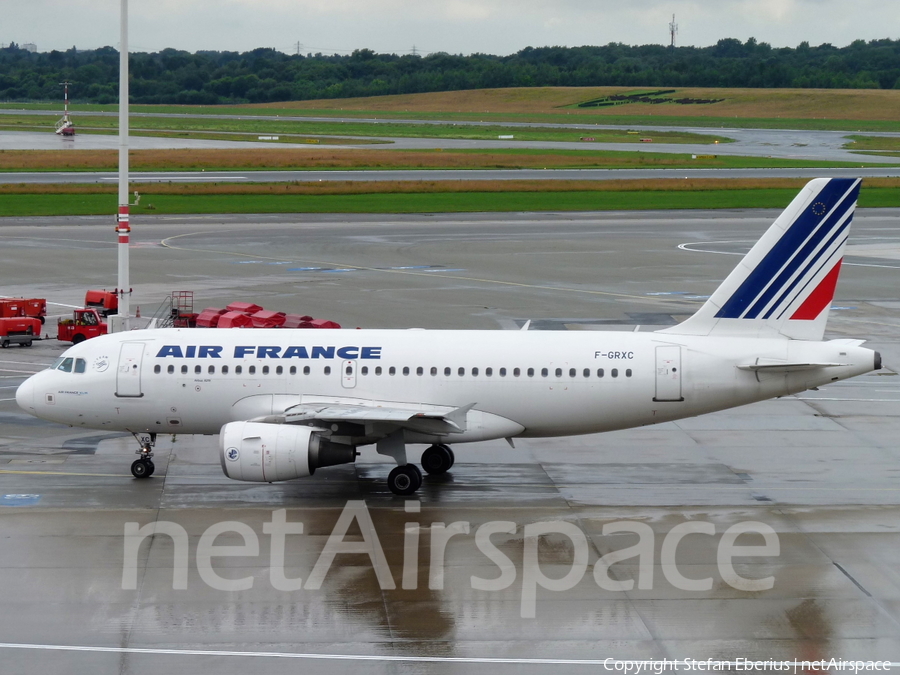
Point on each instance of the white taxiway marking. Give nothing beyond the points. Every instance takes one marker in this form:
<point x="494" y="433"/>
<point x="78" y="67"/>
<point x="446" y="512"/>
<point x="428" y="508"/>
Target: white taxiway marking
<point x="180" y="178"/>
<point x="689" y="247"/>
<point x="350" y="657"/>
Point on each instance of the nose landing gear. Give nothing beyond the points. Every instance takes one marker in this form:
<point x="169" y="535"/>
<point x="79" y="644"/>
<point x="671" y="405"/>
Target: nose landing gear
<point x="143" y="467"/>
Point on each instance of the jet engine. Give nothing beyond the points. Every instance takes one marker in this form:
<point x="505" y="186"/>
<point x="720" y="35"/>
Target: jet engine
<point x="265" y="453"/>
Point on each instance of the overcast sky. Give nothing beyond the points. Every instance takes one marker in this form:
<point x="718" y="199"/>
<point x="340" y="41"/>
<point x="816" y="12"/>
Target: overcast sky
<point x="455" y="26"/>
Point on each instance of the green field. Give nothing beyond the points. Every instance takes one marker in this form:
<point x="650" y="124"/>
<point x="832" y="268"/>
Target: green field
<point x="101" y="204"/>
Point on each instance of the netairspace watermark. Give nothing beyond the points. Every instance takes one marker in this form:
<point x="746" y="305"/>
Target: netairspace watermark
<point x="658" y="667"/>
<point x="531" y="576"/>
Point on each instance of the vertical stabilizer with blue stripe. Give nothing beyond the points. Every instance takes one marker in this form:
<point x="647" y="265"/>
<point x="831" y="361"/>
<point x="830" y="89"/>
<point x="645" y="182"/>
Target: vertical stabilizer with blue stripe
<point x="785" y="284"/>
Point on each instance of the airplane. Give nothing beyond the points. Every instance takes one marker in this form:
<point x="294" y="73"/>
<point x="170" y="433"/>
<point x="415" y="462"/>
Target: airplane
<point x="286" y="403"/>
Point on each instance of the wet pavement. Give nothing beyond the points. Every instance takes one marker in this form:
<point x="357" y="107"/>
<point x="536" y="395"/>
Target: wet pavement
<point x="425" y="589"/>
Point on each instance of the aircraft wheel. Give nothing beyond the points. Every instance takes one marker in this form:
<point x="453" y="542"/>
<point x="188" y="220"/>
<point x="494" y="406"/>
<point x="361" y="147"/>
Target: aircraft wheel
<point x="141" y="468"/>
<point x="404" y="480"/>
<point x="151" y="467"/>
<point x="437" y="459"/>
<point x="452" y="456"/>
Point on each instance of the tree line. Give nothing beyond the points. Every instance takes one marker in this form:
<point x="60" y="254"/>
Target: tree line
<point x="266" y="75"/>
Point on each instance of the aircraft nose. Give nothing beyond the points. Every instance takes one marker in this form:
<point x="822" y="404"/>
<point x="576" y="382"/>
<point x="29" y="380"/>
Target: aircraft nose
<point x="25" y="395"/>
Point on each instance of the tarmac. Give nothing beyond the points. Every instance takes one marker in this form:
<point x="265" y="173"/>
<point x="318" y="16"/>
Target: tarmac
<point x="819" y="469"/>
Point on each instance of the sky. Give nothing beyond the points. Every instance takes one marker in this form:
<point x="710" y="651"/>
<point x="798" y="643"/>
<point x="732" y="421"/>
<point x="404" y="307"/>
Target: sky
<point x="455" y="26"/>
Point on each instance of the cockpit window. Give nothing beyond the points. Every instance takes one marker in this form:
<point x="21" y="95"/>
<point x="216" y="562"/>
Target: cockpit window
<point x="80" y="365"/>
<point x="55" y="364"/>
<point x="66" y="365"/>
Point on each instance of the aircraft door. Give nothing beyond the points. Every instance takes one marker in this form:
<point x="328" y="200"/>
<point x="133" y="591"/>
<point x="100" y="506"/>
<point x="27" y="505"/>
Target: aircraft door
<point x="128" y="375"/>
<point x="348" y="374"/>
<point x="668" y="373"/>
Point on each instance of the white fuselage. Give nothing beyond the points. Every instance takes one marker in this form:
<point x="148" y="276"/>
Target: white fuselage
<point x="522" y="383"/>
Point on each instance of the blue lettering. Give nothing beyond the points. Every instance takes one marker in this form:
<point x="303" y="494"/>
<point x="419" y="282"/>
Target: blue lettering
<point x="295" y="353"/>
<point x="348" y="352"/>
<point x="241" y="352"/>
<point x="170" y="350"/>
<point x="210" y="352"/>
<point x="191" y="351"/>
<point x="371" y="353"/>
<point x="267" y="352"/>
<point x="323" y="352"/>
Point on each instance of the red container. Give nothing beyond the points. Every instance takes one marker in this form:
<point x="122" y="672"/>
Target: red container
<point x="321" y="323"/>
<point x="246" y="307"/>
<point x="209" y="317"/>
<point x="12" y="307"/>
<point x="234" y="320"/>
<point x="268" y="319"/>
<point x="295" y="320"/>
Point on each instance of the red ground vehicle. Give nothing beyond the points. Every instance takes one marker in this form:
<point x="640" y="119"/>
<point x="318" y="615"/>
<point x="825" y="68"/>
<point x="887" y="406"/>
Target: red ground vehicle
<point x="36" y="308"/>
<point x="105" y="302"/>
<point x="21" y="330"/>
<point x="84" y="324"/>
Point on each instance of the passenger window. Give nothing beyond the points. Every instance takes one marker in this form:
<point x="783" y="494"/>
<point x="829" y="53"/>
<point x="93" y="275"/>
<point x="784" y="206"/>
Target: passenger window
<point x="79" y="365"/>
<point x="433" y="370"/>
<point x="488" y="372"/>
<point x="516" y="372"/>
<point x="628" y="373"/>
<point x="265" y="370"/>
<point x="349" y="370"/>
<point x="461" y="372"/>
<point x="544" y="372"/>
<point x="251" y="370"/>
<point x="392" y="371"/>
<point x="572" y="372"/>
<point x="531" y="372"/>
<point x="306" y="370"/>
<point x="328" y="370"/>
<point x="587" y="372"/>
<point x="475" y="372"/>
<point x="559" y="372"/>
<point x="170" y="369"/>
<point x="279" y="370"/>
<point x="156" y="369"/>
<point x="447" y="371"/>
<point x="502" y="372"/>
<point x="614" y="372"/>
<point x="238" y="370"/>
<point x="211" y="370"/>
<point x="293" y="370"/>
<point x="66" y="365"/>
<point x="406" y="370"/>
<point x="420" y="370"/>
<point x="198" y="369"/>
<point x="378" y="370"/>
<point x="184" y="370"/>
<point x="224" y="370"/>
<point x="364" y="370"/>
<point x="599" y="372"/>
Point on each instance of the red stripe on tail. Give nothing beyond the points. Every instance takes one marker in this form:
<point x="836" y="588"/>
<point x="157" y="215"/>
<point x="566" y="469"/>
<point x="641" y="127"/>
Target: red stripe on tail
<point x="820" y="298"/>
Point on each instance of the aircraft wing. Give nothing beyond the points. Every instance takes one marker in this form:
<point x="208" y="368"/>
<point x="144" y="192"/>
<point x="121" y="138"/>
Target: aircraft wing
<point x="377" y="417"/>
<point x="787" y="367"/>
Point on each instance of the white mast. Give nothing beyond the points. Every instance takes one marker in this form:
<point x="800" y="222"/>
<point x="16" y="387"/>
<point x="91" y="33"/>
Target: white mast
<point x="123" y="227"/>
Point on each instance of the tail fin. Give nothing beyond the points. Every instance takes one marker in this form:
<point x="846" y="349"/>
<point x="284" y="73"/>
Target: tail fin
<point x="785" y="284"/>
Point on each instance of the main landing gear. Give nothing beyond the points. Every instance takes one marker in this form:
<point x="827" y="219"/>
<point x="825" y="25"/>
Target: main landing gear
<point x="405" y="478"/>
<point x="143" y="467"/>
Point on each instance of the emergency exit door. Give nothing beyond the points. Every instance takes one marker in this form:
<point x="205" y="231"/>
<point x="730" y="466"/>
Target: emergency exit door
<point x="348" y="374"/>
<point x="668" y="373"/>
<point x="128" y="375"/>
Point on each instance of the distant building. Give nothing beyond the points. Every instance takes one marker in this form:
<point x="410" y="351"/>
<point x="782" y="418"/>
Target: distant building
<point x="29" y="47"/>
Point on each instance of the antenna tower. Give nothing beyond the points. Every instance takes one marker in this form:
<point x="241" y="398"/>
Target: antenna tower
<point x="673" y="31"/>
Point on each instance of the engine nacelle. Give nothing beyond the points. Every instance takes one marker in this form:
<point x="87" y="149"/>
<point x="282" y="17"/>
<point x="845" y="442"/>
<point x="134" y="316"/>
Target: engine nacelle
<point x="266" y="453"/>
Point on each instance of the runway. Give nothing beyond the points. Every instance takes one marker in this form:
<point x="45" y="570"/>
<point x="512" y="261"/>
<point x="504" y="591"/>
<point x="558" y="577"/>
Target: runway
<point x="820" y="469"/>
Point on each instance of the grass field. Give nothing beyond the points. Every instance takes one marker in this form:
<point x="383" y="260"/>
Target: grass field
<point x="313" y="158"/>
<point x="424" y="197"/>
<point x="837" y="109"/>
